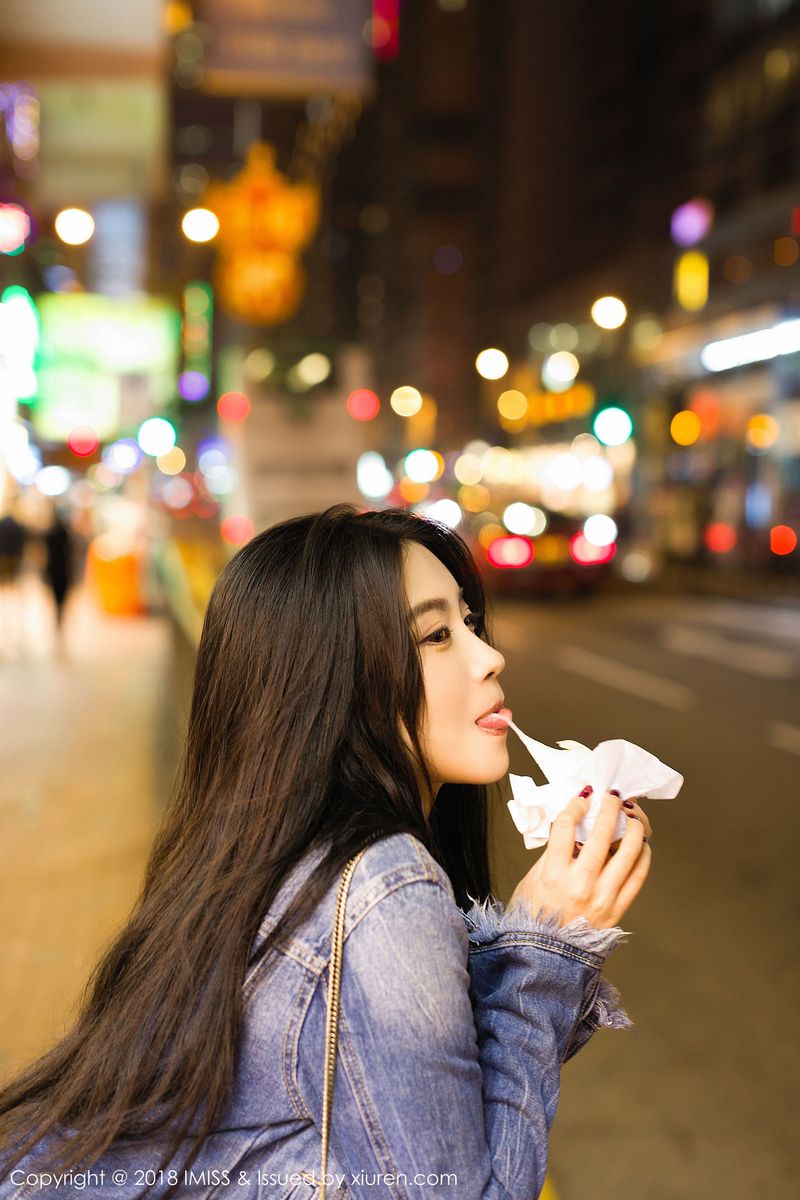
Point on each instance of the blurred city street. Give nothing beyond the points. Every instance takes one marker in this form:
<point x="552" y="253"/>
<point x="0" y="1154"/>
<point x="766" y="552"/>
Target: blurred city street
<point x="80" y="745"/>
<point x="699" y="1099"/>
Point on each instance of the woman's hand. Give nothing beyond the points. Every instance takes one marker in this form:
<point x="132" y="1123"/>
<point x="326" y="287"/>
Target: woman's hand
<point x="599" y="883"/>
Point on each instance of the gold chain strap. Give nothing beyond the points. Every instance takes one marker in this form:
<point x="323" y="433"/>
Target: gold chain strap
<point x="332" y="1021"/>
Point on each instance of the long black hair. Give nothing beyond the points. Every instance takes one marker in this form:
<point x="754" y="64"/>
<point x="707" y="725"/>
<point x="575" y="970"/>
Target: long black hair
<point x="306" y="650"/>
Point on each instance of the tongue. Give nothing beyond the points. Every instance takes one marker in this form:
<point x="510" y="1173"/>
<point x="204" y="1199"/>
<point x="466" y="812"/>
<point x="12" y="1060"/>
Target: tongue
<point x="498" y="720"/>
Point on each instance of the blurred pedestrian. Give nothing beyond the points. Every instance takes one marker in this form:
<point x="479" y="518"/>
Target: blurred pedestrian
<point x="342" y="676"/>
<point x="13" y="539"/>
<point x="58" y="565"/>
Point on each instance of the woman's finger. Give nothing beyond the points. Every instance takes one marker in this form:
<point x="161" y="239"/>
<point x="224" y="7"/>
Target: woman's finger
<point x="562" y="831"/>
<point x="633" y="808"/>
<point x="619" y="865"/>
<point x="633" y="884"/>
<point x="595" y="851"/>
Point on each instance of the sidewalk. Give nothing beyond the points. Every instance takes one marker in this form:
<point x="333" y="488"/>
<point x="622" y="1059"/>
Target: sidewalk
<point x="78" y="803"/>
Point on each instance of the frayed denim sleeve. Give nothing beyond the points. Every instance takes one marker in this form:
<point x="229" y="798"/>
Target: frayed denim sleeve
<point x="490" y="925"/>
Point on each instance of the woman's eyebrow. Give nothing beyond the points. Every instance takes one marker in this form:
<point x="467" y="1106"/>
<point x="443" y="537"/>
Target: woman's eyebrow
<point x="436" y="604"/>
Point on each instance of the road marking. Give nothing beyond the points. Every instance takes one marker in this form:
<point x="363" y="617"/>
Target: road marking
<point x="763" y="661"/>
<point x="625" y="679"/>
<point x="784" y="737"/>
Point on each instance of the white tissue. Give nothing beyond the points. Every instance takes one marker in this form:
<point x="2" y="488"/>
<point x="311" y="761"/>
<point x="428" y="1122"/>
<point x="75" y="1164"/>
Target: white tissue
<point x="617" y="764"/>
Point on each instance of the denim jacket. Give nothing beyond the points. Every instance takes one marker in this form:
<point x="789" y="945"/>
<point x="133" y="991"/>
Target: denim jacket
<point x="453" y="1027"/>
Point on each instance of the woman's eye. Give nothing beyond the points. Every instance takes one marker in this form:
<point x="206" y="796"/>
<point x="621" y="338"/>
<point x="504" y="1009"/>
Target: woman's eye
<point x="435" y="637"/>
<point x="440" y="636"/>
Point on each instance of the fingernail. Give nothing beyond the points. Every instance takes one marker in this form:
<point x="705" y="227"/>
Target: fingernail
<point x="587" y="791"/>
<point x="626" y="803"/>
<point x="577" y="849"/>
<point x="632" y="816"/>
<point x="647" y="841"/>
<point x="614" y="792"/>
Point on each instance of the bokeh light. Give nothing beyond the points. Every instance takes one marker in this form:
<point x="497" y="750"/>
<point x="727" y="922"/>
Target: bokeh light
<point x="363" y="405"/>
<point x="512" y="404"/>
<point x="468" y="468"/>
<point x="786" y="251"/>
<point x="583" y="552"/>
<point x="200" y="225"/>
<point x="720" y="538"/>
<point x="373" y="477"/>
<point x="83" y="441"/>
<point x="446" y="511"/>
<point x="691" y="222"/>
<point x="173" y="462"/>
<point x="690" y="280"/>
<point x="53" y="480"/>
<point x="609" y="312"/>
<point x="122" y="456"/>
<point x="559" y="370"/>
<point x="406" y="401"/>
<point x="236" y="530"/>
<point x="193" y="386"/>
<point x="524" y="519"/>
<point x="412" y="492"/>
<point x="74" y="226"/>
<point x="15" y="228"/>
<point x="612" y="426"/>
<point x="762" y="433"/>
<point x="782" y="539"/>
<point x="156" y="436"/>
<point x="510" y="552"/>
<point x="259" y="364"/>
<point x="421" y="465"/>
<point x="491" y="363"/>
<point x="600" y="530"/>
<point x="685" y="427"/>
<point x="474" y="497"/>
<point x="233" y="407"/>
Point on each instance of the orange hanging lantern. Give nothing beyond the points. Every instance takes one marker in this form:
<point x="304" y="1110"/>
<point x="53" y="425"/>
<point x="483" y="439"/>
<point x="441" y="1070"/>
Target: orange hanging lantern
<point x="265" y="222"/>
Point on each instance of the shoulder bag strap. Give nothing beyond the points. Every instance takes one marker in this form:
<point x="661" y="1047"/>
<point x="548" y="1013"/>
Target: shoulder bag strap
<point x="332" y="1022"/>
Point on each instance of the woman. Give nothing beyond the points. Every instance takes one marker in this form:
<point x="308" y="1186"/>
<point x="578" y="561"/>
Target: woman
<point x="342" y="667"/>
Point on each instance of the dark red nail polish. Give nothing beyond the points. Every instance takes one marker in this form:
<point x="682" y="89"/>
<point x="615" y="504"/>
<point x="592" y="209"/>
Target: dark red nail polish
<point x="614" y="792"/>
<point x="628" y="804"/>
<point x="632" y="816"/>
<point x="575" y="852"/>
<point x="587" y="791"/>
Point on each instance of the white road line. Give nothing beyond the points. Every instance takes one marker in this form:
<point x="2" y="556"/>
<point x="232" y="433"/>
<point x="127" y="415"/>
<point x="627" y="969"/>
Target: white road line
<point x="625" y="679"/>
<point x="783" y="736"/>
<point x="763" y="661"/>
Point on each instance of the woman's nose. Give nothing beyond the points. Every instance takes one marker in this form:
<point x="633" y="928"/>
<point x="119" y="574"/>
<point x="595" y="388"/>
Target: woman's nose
<point x="488" y="661"/>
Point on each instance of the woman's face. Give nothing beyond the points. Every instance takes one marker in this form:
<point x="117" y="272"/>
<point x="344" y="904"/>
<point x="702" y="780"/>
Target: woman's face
<point x="461" y="675"/>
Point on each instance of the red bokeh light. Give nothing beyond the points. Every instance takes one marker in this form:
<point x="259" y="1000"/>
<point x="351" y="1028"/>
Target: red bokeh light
<point x="233" y="406"/>
<point x="363" y="405"/>
<point x="236" y="530"/>
<point x="510" y="552"/>
<point x="720" y="538"/>
<point x="782" y="539"/>
<point x="585" y="554"/>
<point x="83" y="441"/>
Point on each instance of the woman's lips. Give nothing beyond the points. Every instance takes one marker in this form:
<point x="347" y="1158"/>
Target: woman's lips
<point x="495" y="722"/>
